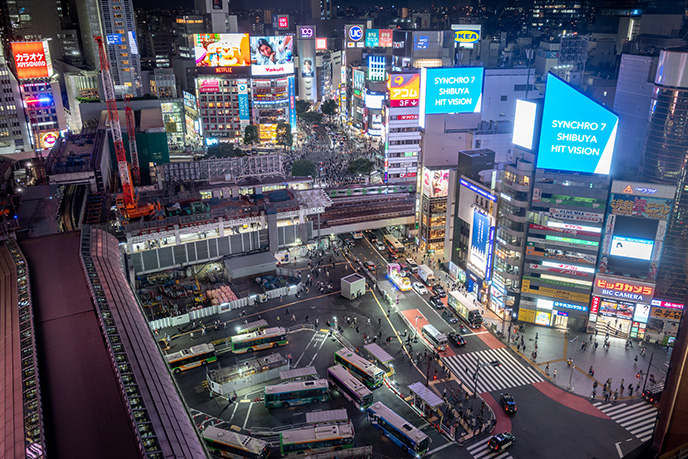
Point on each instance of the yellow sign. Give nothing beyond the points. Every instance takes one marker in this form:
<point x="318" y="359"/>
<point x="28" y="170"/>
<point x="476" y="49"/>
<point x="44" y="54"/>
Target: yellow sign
<point x="665" y="313"/>
<point x="466" y="36"/>
<point x="526" y="315"/>
<point x="554" y="293"/>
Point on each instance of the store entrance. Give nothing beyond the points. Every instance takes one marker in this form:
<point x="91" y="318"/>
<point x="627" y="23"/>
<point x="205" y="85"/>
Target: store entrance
<point x="560" y="321"/>
<point x="615" y="326"/>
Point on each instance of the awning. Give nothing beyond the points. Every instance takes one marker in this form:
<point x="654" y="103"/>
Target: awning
<point x="316" y="417"/>
<point x="380" y="354"/>
<point x="428" y="396"/>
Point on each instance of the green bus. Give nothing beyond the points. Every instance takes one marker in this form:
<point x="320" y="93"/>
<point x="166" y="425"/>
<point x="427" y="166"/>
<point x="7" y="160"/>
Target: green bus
<point x="296" y="393"/>
<point x="234" y="445"/>
<point x="193" y="357"/>
<point x="258" y="340"/>
<point x="316" y="439"/>
<point x="366" y="372"/>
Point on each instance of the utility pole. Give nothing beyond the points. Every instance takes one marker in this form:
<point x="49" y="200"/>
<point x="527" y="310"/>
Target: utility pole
<point x="647" y="375"/>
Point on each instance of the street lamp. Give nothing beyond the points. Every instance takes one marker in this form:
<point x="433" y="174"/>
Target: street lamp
<point x="493" y="363"/>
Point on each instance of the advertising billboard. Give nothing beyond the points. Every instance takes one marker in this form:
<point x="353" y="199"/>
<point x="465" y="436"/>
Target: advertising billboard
<point x="222" y="53"/>
<point x="272" y="55"/>
<point x="47" y="139"/>
<point x="292" y="102"/>
<point x="308" y="87"/>
<point x="435" y="183"/>
<point x="283" y="21"/>
<point x="305" y="32"/>
<point x="404" y="89"/>
<point x="208" y="85"/>
<point x="636" y="206"/>
<point x="524" y="124"/>
<point x="385" y="38"/>
<point x="374" y="100"/>
<point x="320" y="44"/>
<point x="114" y="39"/>
<point x="451" y="90"/>
<point x="242" y="91"/>
<point x="577" y="133"/>
<point x="605" y="286"/>
<point x="372" y="38"/>
<point x="376" y="68"/>
<point x="480" y="232"/>
<point x="354" y="36"/>
<point x="630" y="247"/>
<point x="466" y="35"/>
<point x="32" y="59"/>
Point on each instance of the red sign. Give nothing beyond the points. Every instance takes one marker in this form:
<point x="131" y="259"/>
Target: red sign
<point x="283" y="22"/>
<point x="595" y="307"/>
<point x="403" y="90"/>
<point x="666" y="304"/>
<point x="624" y="287"/>
<point x="32" y="60"/>
<point x="385" y="38"/>
<point x="407" y="117"/>
<point x="321" y="43"/>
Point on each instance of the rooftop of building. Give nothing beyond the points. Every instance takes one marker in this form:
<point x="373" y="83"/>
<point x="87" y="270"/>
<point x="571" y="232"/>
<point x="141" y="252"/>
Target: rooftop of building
<point x="146" y="119"/>
<point x="75" y="153"/>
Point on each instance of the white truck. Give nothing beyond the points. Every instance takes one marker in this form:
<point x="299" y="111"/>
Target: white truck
<point x="427" y="275"/>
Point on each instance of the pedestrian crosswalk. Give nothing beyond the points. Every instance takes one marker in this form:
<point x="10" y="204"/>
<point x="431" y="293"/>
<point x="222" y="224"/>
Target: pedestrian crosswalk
<point x="510" y="372"/>
<point x="638" y="418"/>
<point x="479" y="450"/>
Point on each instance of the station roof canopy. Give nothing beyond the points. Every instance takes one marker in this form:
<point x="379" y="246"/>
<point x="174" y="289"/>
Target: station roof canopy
<point x="380" y="354"/>
<point x="317" y="417"/>
<point x="428" y="396"/>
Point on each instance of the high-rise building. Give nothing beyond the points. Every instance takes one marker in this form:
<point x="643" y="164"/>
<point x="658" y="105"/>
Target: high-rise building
<point x="119" y="27"/>
<point x="401" y="133"/>
<point x="216" y="13"/>
<point x="665" y="162"/>
<point x="13" y="129"/>
<point x="558" y="14"/>
<point x="90" y="25"/>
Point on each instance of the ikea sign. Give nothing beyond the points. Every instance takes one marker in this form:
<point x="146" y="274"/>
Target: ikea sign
<point x="466" y="36"/>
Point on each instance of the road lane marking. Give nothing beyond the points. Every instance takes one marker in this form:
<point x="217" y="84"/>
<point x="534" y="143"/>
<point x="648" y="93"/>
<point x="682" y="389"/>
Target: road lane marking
<point x="439" y="448"/>
<point x="304" y="350"/>
<point x="236" y="405"/>
<point x="316" y="352"/>
<point x="248" y="413"/>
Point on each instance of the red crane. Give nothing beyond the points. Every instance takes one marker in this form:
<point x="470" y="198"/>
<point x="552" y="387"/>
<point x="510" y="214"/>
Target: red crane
<point x="127" y="202"/>
<point x="131" y="134"/>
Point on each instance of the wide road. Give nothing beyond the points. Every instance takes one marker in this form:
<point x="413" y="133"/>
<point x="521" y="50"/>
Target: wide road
<point x="549" y="421"/>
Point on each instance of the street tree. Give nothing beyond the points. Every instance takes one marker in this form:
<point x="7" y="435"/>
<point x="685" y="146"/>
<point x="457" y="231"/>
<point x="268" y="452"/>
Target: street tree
<point x="251" y="134"/>
<point x="329" y="107"/>
<point x="361" y="166"/>
<point x="224" y="150"/>
<point x="312" y="117"/>
<point x="303" y="168"/>
<point x="284" y="136"/>
<point x="302" y="107"/>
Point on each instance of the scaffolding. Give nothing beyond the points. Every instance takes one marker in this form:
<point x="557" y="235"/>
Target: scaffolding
<point x="573" y="52"/>
<point x="226" y="170"/>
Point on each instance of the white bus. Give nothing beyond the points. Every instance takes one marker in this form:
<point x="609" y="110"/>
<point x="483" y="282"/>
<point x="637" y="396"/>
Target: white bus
<point x="435" y="338"/>
<point x="296" y="393"/>
<point x="233" y="445"/>
<point x="398" y="429"/>
<point x="317" y="439"/>
<point x="351" y="388"/>
<point x="470" y="313"/>
<point x="369" y="374"/>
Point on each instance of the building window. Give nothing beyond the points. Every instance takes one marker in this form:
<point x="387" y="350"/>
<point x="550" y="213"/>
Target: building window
<point x="503" y="98"/>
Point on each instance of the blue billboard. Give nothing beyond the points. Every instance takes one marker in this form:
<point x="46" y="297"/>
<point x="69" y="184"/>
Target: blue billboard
<point x="481" y="250"/>
<point x="114" y="39"/>
<point x="292" y="103"/>
<point x="451" y="90"/>
<point x="372" y="39"/>
<point x="577" y="134"/>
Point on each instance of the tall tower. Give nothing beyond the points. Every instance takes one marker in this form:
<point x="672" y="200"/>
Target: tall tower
<point x="665" y="161"/>
<point x="119" y="27"/>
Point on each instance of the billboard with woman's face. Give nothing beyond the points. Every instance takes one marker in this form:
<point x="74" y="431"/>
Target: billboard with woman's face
<point x="435" y="183"/>
<point x="272" y="55"/>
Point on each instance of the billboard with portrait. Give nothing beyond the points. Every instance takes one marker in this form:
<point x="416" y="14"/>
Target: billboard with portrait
<point x="222" y="53"/>
<point x="435" y="183"/>
<point x="577" y="134"/>
<point x="32" y="59"/>
<point x="403" y="89"/>
<point x="272" y="55"/>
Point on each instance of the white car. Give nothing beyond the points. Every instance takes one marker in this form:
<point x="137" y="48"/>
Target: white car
<point x="412" y="264"/>
<point x="419" y="288"/>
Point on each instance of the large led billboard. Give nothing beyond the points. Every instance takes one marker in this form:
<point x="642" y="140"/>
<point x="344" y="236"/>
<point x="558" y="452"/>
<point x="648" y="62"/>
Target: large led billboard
<point x="272" y="55"/>
<point x="404" y="89"/>
<point x="630" y="247"/>
<point x="354" y="36"/>
<point x="32" y="59"/>
<point x="524" y="124"/>
<point x="451" y="90"/>
<point x="374" y="100"/>
<point x="480" y="242"/>
<point x="222" y="53"/>
<point x="376" y="68"/>
<point x="435" y="183"/>
<point x="577" y="133"/>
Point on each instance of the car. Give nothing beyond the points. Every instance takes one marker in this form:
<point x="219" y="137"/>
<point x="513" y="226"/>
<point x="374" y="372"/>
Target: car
<point x="439" y="291"/>
<point x="449" y="317"/>
<point x="369" y="265"/>
<point x="419" y="288"/>
<point x="457" y="339"/>
<point x="393" y="257"/>
<point x="508" y="402"/>
<point x="380" y="246"/>
<point x="501" y="441"/>
<point x="654" y="394"/>
<point x="436" y="302"/>
<point x="412" y="264"/>
<point x="372" y="238"/>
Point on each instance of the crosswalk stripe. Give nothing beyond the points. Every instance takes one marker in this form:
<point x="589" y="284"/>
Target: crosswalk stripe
<point x="639" y="418"/>
<point x="479" y="450"/>
<point x="510" y="373"/>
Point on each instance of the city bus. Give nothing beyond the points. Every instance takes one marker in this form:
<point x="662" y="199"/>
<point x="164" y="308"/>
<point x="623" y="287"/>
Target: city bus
<point x="393" y="245"/>
<point x="258" y="340"/>
<point x="434" y="337"/>
<point x="316" y="439"/>
<point x="470" y="313"/>
<point x="193" y="357"/>
<point x="351" y="388"/>
<point x="296" y="393"/>
<point x="398" y="429"/>
<point x="230" y="444"/>
<point x="252" y="326"/>
<point x="366" y="372"/>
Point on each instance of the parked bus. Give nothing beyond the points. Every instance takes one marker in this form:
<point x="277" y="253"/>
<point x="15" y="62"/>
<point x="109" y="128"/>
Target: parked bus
<point x="351" y="388"/>
<point x="296" y="393"/>
<point x="230" y="444"/>
<point x="393" y="245"/>
<point x="398" y="429"/>
<point x="317" y="439"/>
<point x="252" y="326"/>
<point x="366" y="372"/>
<point x="435" y="338"/>
<point x="258" y="340"/>
<point x="469" y="313"/>
<point x="193" y="357"/>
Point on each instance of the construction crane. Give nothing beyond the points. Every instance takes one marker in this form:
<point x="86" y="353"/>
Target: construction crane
<point x="131" y="134"/>
<point x="127" y="202"/>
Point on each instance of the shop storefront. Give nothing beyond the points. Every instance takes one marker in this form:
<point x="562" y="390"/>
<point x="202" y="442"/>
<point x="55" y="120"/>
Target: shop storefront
<point x="663" y="322"/>
<point x="557" y="314"/>
<point x="620" y="307"/>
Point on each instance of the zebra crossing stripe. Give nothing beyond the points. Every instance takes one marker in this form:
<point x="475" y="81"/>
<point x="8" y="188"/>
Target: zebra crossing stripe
<point x="639" y="419"/>
<point x="510" y="373"/>
<point x="480" y="450"/>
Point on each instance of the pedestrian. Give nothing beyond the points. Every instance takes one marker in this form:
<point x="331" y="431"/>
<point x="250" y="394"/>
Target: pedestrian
<point x="278" y="319"/>
<point x="380" y="334"/>
<point x="635" y="360"/>
<point x="630" y="390"/>
<point x="191" y="336"/>
<point x="621" y="390"/>
<point x="317" y="322"/>
<point x="306" y="318"/>
<point x="379" y="321"/>
<point x="357" y="329"/>
<point x="554" y="374"/>
<point x="293" y="317"/>
<point x="369" y="321"/>
<point x="616" y="395"/>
